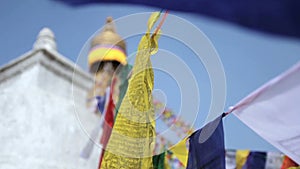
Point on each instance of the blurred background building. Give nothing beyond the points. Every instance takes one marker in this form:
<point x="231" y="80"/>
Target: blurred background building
<point x="42" y="125"/>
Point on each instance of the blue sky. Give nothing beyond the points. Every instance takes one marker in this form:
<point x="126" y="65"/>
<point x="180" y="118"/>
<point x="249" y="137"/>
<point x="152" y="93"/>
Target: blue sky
<point x="249" y="58"/>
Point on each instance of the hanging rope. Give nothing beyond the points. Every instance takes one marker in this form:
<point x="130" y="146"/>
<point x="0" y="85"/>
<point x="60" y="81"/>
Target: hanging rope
<point x="161" y="22"/>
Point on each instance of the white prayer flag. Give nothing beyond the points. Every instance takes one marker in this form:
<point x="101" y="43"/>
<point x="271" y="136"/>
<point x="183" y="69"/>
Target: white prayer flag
<point x="274" y="160"/>
<point x="273" y="112"/>
<point x="230" y="159"/>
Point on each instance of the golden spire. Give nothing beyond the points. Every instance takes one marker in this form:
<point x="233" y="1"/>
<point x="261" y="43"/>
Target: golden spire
<point x="108" y="36"/>
<point x="107" y="46"/>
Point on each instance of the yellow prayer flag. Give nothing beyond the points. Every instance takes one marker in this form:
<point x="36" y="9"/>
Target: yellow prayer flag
<point x="241" y="158"/>
<point x="181" y="152"/>
<point x="133" y="136"/>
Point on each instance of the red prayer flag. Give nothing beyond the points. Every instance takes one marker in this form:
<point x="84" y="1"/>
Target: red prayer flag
<point x="108" y="121"/>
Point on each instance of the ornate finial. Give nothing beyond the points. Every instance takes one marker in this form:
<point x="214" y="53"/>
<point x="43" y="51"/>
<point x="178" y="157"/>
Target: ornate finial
<point x="108" y="36"/>
<point x="109" y="26"/>
<point x="45" y="39"/>
<point x="109" y="19"/>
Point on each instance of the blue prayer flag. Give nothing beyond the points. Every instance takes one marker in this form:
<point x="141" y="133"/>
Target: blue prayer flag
<point x="101" y="103"/>
<point x="272" y="16"/>
<point x="206" y="149"/>
<point x="256" y="160"/>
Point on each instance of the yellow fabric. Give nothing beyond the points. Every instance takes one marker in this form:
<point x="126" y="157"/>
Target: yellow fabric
<point x="241" y="158"/>
<point x="133" y="136"/>
<point x="294" y="167"/>
<point x="181" y="152"/>
<point x="106" y="54"/>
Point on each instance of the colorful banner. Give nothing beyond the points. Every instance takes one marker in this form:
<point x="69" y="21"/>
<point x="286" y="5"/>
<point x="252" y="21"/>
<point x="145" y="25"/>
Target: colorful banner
<point x="246" y="159"/>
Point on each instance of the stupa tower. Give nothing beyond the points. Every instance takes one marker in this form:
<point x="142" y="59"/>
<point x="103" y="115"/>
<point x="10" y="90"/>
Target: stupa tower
<point x="107" y="53"/>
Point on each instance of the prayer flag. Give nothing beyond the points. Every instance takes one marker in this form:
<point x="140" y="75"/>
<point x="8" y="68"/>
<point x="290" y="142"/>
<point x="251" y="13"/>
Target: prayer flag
<point x="181" y="152"/>
<point x="288" y="163"/>
<point x="159" y="161"/>
<point x="108" y="121"/>
<point x="206" y="149"/>
<point x="230" y="159"/>
<point x="274" y="160"/>
<point x="241" y="158"/>
<point x="272" y="16"/>
<point x="256" y="160"/>
<point x="273" y="112"/>
<point x="133" y="136"/>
